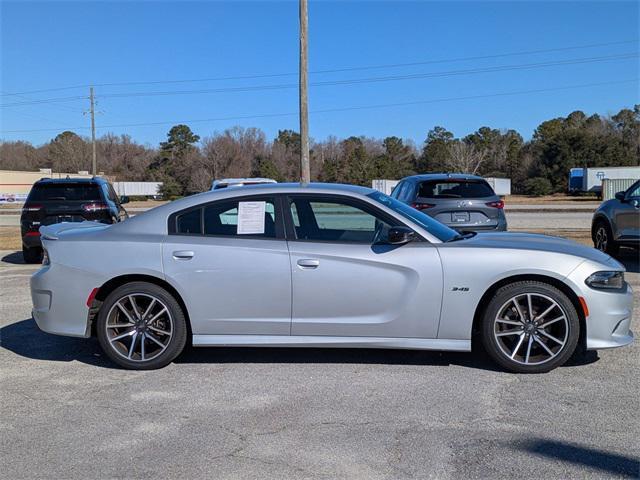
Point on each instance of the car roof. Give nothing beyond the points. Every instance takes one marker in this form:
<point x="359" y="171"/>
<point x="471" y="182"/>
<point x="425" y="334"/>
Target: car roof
<point x="155" y="219"/>
<point x="46" y="181"/>
<point x="443" y="176"/>
<point x="294" y="187"/>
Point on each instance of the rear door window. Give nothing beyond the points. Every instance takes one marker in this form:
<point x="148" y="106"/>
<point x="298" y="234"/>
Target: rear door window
<point x="246" y="217"/>
<point x="223" y="218"/>
<point x="455" y="189"/>
<point x="64" y="192"/>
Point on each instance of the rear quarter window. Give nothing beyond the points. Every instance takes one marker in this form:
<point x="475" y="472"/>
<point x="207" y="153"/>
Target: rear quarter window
<point x="455" y="189"/>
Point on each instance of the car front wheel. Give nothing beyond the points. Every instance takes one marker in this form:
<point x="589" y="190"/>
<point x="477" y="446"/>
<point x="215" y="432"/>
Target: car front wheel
<point x="603" y="239"/>
<point x="141" y="326"/>
<point x="530" y="327"/>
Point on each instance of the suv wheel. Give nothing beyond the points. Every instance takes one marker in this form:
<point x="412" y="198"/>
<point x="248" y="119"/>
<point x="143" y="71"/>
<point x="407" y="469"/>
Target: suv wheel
<point x="32" y="255"/>
<point x="530" y="327"/>
<point x="141" y="326"/>
<point x="603" y="239"/>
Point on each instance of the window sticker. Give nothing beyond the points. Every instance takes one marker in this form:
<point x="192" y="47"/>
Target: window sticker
<point x="251" y="218"/>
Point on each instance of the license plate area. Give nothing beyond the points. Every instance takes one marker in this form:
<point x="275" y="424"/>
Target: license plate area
<point x="65" y="218"/>
<point x="460" y="217"/>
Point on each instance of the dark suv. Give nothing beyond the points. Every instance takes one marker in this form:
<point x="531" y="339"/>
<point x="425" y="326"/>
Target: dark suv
<point x="616" y="222"/>
<point x="462" y="202"/>
<point x="66" y="200"/>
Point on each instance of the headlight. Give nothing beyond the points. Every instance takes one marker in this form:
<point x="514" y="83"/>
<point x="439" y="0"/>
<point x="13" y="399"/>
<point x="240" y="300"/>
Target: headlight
<point x="45" y="257"/>
<point x="606" y="280"/>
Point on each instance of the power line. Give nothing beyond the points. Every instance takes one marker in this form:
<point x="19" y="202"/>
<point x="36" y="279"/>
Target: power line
<point x="347" y="81"/>
<point x="341" y="109"/>
<point x="333" y="70"/>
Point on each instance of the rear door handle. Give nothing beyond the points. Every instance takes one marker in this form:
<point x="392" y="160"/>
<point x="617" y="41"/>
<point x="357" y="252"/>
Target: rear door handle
<point x="183" y="255"/>
<point x="308" y="263"/>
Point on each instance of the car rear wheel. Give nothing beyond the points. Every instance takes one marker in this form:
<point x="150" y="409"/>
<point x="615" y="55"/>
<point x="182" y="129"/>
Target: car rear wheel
<point x="141" y="326"/>
<point x="603" y="239"/>
<point x="530" y="327"/>
<point x="32" y="254"/>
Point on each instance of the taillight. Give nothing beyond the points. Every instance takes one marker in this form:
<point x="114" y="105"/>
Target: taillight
<point x="94" y="207"/>
<point x="498" y="204"/>
<point x="32" y="207"/>
<point x="422" y="206"/>
<point x="32" y="234"/>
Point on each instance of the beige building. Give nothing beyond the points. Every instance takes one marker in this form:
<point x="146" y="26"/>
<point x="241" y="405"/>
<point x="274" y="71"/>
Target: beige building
<point x="18" y="183"/>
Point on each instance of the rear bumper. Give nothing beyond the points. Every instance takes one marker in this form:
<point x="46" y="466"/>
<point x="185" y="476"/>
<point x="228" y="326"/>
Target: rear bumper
<point x="59" y="297"/>
<point x="499" y="227"/>
<point x="493" y="225"/>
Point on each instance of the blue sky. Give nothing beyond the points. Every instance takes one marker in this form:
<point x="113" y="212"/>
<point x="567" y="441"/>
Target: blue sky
<point x="48" y="45"/>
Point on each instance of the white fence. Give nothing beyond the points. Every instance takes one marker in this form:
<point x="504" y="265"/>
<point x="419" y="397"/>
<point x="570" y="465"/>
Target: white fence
<point x="137" y="189"/>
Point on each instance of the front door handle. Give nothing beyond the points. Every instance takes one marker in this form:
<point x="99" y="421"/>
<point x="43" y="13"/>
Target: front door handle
<point x="308" y="263"/>
<point x="183" y="255"/>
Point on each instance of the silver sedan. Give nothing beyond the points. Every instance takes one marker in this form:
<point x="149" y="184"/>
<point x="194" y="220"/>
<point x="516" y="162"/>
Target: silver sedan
<point x="323" y="266"/>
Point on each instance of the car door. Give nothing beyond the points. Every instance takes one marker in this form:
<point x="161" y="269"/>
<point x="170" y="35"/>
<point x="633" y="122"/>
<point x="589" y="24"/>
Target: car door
<point x="627" y="215"/>
<point x="232" y="267"/>
<point x="347" y="282"/>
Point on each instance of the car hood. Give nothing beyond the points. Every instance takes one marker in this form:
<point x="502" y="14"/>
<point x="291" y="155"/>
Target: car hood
<point x="543" y="243"/>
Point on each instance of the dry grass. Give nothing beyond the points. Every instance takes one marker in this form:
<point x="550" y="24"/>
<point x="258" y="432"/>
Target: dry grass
<point x="10" y="238"/>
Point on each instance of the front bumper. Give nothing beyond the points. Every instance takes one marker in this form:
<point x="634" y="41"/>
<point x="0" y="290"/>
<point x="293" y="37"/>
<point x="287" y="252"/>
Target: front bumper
<point x="608" y="324"/>
<point x="609" y="321"/>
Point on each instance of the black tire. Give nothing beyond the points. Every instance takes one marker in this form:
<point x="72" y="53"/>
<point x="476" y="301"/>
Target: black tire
<point x="603" y="238"/>
<point x="114" y="350"/>
<point x="32" y="255"/>
<point x="503" y="301"/>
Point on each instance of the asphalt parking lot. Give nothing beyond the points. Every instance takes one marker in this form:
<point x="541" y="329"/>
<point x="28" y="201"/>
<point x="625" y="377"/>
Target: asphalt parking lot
<point x="317" y="413"/>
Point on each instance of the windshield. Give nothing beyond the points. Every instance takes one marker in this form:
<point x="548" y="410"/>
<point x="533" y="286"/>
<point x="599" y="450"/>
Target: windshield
<point x="434" y="227"/>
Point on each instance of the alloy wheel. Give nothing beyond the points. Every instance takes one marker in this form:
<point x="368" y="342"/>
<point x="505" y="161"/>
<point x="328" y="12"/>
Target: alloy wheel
<point x="601" y="239"/>
<point x="139" y="327"/>
<point x="531" y="329"/>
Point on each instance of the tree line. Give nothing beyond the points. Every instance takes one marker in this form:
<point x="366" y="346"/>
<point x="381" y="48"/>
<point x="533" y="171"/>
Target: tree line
<point x="187" y="163"/>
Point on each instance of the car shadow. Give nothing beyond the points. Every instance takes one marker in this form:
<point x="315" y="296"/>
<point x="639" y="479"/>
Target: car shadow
<point x="14" y="258"/>
<point x="608" y="463"/>
<point x="630" y="258"/>
<point x="24" y="338"/>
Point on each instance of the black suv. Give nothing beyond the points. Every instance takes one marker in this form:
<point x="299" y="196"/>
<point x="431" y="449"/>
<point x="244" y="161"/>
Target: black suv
<point x="66" y="200"/>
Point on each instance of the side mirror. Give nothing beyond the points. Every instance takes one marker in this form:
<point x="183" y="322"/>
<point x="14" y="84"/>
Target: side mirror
<point x="620" y="196"/>
<point x="124" y="199"/>
<point x="400" y="235"/>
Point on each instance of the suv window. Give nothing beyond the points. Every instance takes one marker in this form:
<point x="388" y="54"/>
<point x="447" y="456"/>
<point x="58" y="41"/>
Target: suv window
<point x="223" y="219"/>
<point x="64" y="192"/>
<point x="455" y="189"/>
<point x="337" y="220"/>
<point x="634" y="191"/>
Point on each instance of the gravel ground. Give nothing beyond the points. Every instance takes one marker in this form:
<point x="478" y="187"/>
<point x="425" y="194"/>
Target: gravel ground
<point x="317" y="413"/>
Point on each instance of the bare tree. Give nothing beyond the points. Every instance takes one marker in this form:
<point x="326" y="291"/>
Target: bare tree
<point x="464" y="158"/>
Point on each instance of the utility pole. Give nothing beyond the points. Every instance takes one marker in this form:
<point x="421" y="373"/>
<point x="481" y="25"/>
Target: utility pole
<point x="305" y="174"/>
<point x="94" y="167"/>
